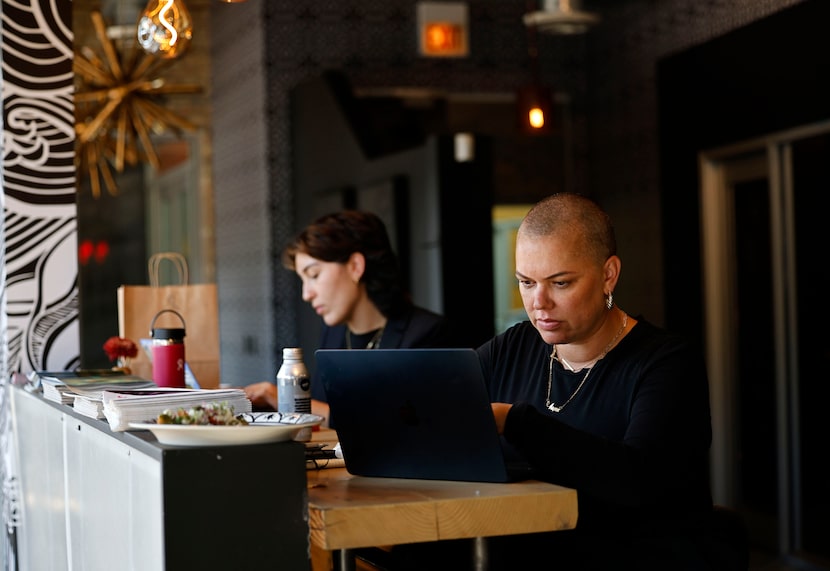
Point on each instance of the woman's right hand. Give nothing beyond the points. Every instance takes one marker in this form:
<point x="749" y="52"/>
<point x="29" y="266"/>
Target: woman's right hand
<point x="263" y="396"/>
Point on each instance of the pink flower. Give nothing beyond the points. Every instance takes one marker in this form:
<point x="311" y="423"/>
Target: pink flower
<point x="120" y="347"/>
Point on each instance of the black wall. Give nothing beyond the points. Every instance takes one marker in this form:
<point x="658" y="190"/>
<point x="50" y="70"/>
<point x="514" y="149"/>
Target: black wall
<point x="766" y="77"/>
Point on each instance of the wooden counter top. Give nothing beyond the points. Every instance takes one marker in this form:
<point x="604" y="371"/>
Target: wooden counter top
<point x="351" y="511"/>
<point x="348" y="511"/>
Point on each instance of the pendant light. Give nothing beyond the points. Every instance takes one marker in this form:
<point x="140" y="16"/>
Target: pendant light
<point x="165" y="28"/>
<point x="562" y="17"/>
<point x="534" y="101"/>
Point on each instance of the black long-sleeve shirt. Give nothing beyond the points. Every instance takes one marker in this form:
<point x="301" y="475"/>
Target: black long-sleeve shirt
<point x="634" y="441"/>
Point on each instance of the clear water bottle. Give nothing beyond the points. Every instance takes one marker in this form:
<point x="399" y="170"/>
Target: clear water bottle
<point x="294" y="386"/>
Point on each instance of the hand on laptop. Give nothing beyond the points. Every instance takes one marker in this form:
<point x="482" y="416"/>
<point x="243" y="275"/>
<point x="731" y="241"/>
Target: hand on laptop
<point x="500" y="410"/>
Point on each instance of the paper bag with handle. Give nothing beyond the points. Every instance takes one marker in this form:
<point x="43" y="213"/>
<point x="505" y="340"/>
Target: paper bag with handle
<point x="198" y="305"/>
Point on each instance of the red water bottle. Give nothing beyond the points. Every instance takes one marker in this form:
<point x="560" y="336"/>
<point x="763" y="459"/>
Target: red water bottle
<point x="168" y="353"/>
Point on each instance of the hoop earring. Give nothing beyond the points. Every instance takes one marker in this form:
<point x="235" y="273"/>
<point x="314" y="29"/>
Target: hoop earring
<point x="609" y="301"/>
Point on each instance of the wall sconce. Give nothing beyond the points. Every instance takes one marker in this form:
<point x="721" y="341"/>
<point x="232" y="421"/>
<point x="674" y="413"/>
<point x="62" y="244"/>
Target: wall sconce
<point x="534" y="106"/>
<point x="443" y="29"/>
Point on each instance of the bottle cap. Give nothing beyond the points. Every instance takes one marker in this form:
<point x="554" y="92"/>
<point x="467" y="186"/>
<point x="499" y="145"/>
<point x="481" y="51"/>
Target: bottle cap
<point x="175" y="334"/>
<point x="292" y="353"/>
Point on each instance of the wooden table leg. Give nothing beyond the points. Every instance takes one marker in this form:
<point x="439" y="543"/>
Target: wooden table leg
<point x="321" y="559"/>
<point x="337" y="560"/>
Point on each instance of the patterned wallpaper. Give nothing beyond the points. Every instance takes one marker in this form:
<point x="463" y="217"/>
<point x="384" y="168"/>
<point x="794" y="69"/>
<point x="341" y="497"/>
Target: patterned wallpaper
<point x="38" y="244"/>
<point x="39" y="254"/>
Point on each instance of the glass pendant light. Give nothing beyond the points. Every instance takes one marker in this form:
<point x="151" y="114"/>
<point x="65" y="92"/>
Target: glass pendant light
<point x="535" y="107"/>
<point x="165" y="28"/>
<point x="534" y="102"/>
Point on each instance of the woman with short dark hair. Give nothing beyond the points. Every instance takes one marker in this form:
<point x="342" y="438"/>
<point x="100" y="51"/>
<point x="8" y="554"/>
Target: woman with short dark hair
<point x="351" y="277"/>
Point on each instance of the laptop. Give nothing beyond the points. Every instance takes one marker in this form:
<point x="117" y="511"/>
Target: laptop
<point x="416" y="413"/>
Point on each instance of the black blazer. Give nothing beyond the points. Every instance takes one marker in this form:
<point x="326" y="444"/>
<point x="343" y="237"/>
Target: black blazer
<point x="417" y="327"/>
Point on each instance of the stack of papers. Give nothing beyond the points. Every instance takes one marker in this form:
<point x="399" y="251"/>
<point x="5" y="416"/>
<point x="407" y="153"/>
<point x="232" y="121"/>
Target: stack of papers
<point x="63" y="386"/>
<point x="84" y="389"/>
<point x="55" y="391"/>
<point x="91" y="407"/>
<point x="121" y="407"/>
<point x="92" y="386"/>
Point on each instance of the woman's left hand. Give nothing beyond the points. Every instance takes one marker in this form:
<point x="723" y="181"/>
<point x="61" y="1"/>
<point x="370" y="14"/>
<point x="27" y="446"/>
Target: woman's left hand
<point x="500" y="410"/>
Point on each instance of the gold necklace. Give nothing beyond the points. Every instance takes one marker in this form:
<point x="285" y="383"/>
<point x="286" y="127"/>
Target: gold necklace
<point x="551" y="406"/>
<point x="374" y="342"/>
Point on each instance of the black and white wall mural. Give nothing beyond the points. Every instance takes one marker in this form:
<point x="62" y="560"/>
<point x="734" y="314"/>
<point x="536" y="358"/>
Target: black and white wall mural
<point x="38" y="242"/>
